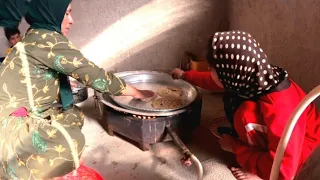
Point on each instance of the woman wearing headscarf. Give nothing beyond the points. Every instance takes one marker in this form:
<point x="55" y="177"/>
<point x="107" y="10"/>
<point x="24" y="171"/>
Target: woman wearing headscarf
<point x="259" y="99"/>
<point x="32" y="77"/>
<point x="11" y="12"/>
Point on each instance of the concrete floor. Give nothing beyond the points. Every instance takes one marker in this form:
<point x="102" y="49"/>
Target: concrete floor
<point x="117" y="159"/>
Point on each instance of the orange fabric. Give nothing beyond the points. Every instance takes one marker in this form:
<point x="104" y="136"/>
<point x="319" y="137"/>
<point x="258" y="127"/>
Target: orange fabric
<point x="8" y="51"/>
<point x="201" y="66"/>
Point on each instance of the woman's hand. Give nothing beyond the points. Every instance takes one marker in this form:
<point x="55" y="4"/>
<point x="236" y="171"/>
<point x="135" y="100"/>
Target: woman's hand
<point x="144" y="94"/>
<point x="137" y="94"/>
<point x="226" y="142"/>
<point x="177" y="73"/>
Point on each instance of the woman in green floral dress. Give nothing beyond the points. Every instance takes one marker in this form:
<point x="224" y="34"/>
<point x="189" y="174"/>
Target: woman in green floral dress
<point x="31" y="77"/>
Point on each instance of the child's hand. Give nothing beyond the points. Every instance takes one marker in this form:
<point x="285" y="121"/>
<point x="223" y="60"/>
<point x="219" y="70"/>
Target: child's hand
<point x="177" y="73"/>
<point x="226" y="142"/>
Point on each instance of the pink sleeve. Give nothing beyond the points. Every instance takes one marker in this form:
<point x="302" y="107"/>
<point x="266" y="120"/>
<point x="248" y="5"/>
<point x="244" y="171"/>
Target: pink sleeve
<point x="202" y="79"/>
<point x="258" y="158"/>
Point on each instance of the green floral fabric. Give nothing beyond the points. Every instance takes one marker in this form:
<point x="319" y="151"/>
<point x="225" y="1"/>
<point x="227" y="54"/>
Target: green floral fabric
<point x="30" y="148"/>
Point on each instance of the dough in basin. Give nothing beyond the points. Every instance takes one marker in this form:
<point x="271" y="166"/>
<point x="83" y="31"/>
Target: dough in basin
<point x="170" y="92"/>
<point x="167" y="103"/>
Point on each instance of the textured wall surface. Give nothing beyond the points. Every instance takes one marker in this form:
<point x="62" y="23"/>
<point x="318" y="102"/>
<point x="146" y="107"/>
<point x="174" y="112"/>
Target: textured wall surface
<point x="3" y="43"/>
<point x="288" y="31"/>
<point x="153" y="34"/>
<point x="144" y="34"/>
<point x="141" y="34"/>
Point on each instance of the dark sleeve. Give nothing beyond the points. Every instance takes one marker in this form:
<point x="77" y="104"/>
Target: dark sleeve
<point x="60" y="54"/>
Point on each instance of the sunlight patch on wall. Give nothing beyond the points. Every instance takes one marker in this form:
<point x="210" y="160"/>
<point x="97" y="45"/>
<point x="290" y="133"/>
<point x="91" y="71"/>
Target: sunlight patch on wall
<point x="138" y="27"/>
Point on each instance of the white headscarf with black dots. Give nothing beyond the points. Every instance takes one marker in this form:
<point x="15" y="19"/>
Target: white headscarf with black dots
<point x="242" y="66"/>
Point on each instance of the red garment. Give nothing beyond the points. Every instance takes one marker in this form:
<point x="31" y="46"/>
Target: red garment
<point x="201" y="79"/>
<point x="260" y="126"/>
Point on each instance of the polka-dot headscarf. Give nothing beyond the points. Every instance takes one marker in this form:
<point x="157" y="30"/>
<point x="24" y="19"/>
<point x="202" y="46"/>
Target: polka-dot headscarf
<point x="242" y="66"/>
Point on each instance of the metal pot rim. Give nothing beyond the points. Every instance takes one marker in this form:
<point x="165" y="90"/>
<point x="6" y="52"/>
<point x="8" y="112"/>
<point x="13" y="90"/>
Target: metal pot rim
<point x="107" y="101"/>
<point x="153" y="80"/>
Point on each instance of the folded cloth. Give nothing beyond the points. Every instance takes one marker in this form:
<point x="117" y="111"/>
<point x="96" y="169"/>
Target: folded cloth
<point x="21" y="112"/>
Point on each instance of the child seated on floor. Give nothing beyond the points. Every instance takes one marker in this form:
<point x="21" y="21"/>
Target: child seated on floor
<point x="258" y="100"/>
<point x="13" y="37"/>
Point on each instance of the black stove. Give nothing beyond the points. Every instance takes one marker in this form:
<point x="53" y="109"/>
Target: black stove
<point x="145" y="130"/>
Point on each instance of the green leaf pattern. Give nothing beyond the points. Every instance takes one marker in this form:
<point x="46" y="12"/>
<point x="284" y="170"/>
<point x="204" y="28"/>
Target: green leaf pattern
<point x="38" y="143"/>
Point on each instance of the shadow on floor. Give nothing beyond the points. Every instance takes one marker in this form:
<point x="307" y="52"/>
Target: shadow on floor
<point x="89" y="110"/>
<point x="112" y="169"/>
<point x="204" y="145"/>
<point x="205" y="142"/>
